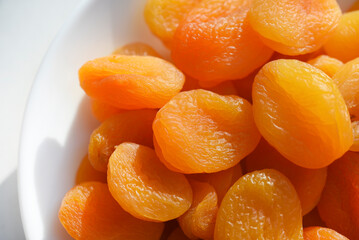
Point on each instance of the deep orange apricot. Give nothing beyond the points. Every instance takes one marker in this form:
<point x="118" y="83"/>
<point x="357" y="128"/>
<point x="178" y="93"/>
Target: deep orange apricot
<point x="199" y="220"/>
<point x="308" y="183"/>
<point x="294" y="27"/>
<point x="86" y="173"/>
<point x="260" y="205"/>
<point x="137" y="48"/>
<point x="343" y="44"/>
<point x="338" y="206"/>
<point x="131" y="82"/>
<point x="300" y="112"/>
<point x="102" y="111"/>
<point x="321" y="233"/>
<point x="88" y="211"/>
<point x="313" y="219"/>
<point x="163" y="16"/>
<point x="200" y="131"/>
<point x="327" y="64"/>
<point x="144" y="187"/>
<point x="215" y="43"/>
<point x="134" y="126"/>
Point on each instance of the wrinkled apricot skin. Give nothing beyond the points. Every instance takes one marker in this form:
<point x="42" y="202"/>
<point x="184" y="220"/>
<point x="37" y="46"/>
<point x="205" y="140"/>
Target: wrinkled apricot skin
<point x="131" y="82"/>
<point x="327" y="64"/>
<point x="300" y="112"/>
<point x="144" y="187"/>
<point x="294" y="27"/>
<point x="199" y="131"/>
<point x="343" y="44"/>
<point x="215" y="43"/>
<point x="88" y="212"/>
<point x="86" y="173"/>
<point x="163" y="17"/>
<point x="199" y="220"/>
<point x="321" y="233"/>
<point x="308" y="183"/>
<point x="260" y="205"/>
<point x="137" y="48"/>
<point x="338" y="206"/>
<point x="347" y="79"/>
<point x="103" y="111"/>
<point x="133" y="126"/>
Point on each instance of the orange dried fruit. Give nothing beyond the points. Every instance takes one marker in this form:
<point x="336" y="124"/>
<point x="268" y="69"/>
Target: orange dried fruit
<point x="260" y="205"/>
<point x="131" y="82"/>
<point x="313" y="219"/>
<point x="86" y="173"/>
<point x="102" y="111"/>
<point x="137" y="48"/>
<point x="88" y="211"/>
<point x="163" y="17"/>
<point x="199" y="220"/>
<point x="200" y="131"/>
<point x="130" y="126"/>
<point x="321" y="233"/>
<point x="178" y="234"/>
<point x="225" y="88"/>
<point x="347" y="79"/>
<point x="327" y="64"/>
<point x="300" y="112"/>
<point x="308" y="183"/>
<point x="144" y="187"/>
<point x="343" y="43"/>
<point x="294" y="27"/>
<point x="338" y="206"/>
<point x="215" y="43"/>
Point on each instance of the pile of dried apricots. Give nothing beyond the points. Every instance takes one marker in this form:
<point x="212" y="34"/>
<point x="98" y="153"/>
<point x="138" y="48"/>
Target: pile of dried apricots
<point x="251" y="132"/>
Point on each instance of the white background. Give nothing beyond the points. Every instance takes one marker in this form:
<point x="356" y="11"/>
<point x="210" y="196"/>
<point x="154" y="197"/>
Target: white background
<point x="27" y="28"/>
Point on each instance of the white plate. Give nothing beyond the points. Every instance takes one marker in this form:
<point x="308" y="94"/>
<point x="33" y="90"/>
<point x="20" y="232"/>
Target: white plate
<point x="57" y="122"/>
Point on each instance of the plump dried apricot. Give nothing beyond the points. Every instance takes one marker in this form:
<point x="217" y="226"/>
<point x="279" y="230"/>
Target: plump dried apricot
<point x="102" y="111"/>
<point x="131" y="82"/>
<point x="225" y="88"/>
<point x="294" y="27"/>
<point x="321" y="233"/>
<point x="199" y="220"/>
<point x="144" y="187"/>
<point x="163" y="16"/>
<point x="86" y="173"/>
<point x="338" y="206"/>
<point x="178" y="234"/>
<point x="327" y="64"/>
<point x="136" y="48"/>
<point x="299" y="110"/>
<point x="131" y="126"/>
<point x="313" y="219"/>
<point x="88" y="211"/>
<point x="343" y="44"/>
<point x="347" y="79"/>
<point x="308" y="183"/>
<point x="215" y="43"/>
<point x="200" y="131"/>
<point x="260" y="205"/>
<point x="221" y="181"/>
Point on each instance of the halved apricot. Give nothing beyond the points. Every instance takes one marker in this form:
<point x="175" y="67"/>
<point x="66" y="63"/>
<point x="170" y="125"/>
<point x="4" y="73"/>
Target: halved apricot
<point x="327" y="64"/>
<point x="321" y="233"/>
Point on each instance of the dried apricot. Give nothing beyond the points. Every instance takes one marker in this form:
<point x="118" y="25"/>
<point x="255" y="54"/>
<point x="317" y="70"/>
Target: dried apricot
<point x="327" y="64"/>
<point x="347" y="79"/>
<point x="308" y="183"/>
<point x="86" y="173"/>
<point x="131" y="82"/>
<point x="133" y="126"/>
<point x="137" y="48"/>
<point x="88" y="211"/>
<point x="343" y="44"/>
<point x="200" y="131"/>
<point x="178" y="234"/>
<point x="338" y="206"/>
<point x="294" y="27"/>
<point x="163" y="16"/>
<point x="215" y="43"/>
<point x="313" y="219"/>
<point x="199" y="220"/>
<point x="303" y="58"/>
<point x="321" y="233"/>
<point x="225" y="88"/>
<point x="260" y="205"/>
<point x="102" y="110"/>
<point x="144" y="187"/>
<point x="299" y="110"/>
